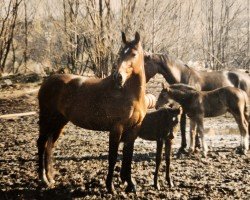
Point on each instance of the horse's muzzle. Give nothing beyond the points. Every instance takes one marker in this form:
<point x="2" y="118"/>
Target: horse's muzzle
<point x="117" y="77"/>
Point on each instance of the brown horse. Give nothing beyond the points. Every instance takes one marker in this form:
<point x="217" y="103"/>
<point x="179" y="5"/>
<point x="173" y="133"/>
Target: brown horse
<point x="175" y="71"/>
<point x="200" y="104"/>
<point x="159" y="126"/>
<point x="115" y="104"/>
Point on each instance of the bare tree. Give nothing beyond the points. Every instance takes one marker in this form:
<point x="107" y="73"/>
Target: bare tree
<point x="7" y="28"/>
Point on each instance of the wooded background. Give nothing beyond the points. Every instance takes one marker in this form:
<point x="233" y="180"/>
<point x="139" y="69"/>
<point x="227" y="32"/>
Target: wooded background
<point x="80" y="35"/>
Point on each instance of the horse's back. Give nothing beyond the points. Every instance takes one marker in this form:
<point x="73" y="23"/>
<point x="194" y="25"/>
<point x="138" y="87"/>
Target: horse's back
<point x="58" y="87"/>
<point x="232" y="96"/>
<point x="240" y="80"/>
<point x="217" y="79"/>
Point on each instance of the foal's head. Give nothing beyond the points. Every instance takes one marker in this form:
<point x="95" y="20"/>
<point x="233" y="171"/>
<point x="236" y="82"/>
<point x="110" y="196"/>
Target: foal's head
<point x="130" y="60"/>
<point x="178" y="92"/>
<point x="163" y="100"/>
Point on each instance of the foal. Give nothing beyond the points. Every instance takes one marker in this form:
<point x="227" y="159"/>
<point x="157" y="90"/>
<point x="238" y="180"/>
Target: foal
<point x="158" y="126"/>
<point x="200" y="104"/>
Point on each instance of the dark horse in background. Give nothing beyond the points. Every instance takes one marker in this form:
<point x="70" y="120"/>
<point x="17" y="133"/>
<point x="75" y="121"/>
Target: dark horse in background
<point x="115" y="104"/>
<point x="175" y="71"/>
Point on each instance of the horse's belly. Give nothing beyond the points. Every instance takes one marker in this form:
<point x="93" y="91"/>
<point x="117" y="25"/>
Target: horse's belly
<point x="215" y="112"/>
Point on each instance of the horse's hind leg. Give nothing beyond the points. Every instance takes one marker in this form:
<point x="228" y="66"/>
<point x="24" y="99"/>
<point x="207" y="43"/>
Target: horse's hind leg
<point x="158" y="162"/>
<point x="41" y="143"/>
<point x="243" y="126"/>
<point x="50" y="129"/>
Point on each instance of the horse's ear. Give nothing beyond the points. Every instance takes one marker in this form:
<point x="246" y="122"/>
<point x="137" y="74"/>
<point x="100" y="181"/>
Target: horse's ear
<point x="124" y="38"/>
<point x="180" y="110"/>
<point x="137" y="37"/>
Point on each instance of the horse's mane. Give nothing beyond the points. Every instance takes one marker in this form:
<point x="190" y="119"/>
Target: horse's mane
<point x="164" y="59"/>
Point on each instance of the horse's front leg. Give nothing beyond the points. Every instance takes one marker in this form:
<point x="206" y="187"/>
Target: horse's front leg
<point x="200" y="131"/>
<point x="168" y="147"/>
<point x="182" y="149"/>
<point x="192" y="135"/>
<point x="158" y="162"/>
<point x="183" y="131"/>
<point x="128" y="150"/>
<point x="114" y="141"/>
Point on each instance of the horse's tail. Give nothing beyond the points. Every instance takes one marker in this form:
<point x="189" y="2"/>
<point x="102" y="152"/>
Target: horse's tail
<point x="246" y="110"/>
<point x="246" y="106"/>
<point x="150" y="100"/>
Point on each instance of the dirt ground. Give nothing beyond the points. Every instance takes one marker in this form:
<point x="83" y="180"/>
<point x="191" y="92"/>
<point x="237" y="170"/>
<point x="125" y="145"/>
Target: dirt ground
<point x="80" y="159"/>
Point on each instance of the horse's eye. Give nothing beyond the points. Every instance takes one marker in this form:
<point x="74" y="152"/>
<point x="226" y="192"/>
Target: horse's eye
<point x="165" y="95"/>
<point x="133" y="54"/>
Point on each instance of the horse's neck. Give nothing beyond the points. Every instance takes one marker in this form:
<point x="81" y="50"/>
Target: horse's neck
<point x="150" y="71"/>
<point x="175" y="71"/>
<point x="136" y="85"/>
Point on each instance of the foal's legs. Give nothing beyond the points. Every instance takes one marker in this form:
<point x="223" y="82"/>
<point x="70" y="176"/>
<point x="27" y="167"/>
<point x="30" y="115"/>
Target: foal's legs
<point x="158" y="162"/>
<point x="192" y="135"/>
<point x="200" y="131"/>
<point x="168" y="147"/>
<point x="183" y="131"/>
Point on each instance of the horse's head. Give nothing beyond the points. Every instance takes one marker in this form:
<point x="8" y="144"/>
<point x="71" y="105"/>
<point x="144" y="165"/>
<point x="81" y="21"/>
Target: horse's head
<point x="175" y="112"/>
<point x="163" y="99"/>
<point x="130" y="60"/>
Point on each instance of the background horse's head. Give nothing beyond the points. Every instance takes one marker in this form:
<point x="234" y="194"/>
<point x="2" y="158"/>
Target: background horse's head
<point x="130" y="61"/>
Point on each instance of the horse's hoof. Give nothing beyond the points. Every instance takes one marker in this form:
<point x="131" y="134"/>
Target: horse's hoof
<point x="123" y="177"/>
<point x="110" y="187"/>
<point x="241" y="151"/>
<point x="204" y="154"/>
<point x="197" y="150"/>
<point x="44" y="179"/>
<point x="170" y="182"/>
<point x="171" y="185"/>
<point x="190" y="152"/>
<point x="157" y="186"/>
<point x="181" y="151"/>
<point x="130" y="188"/>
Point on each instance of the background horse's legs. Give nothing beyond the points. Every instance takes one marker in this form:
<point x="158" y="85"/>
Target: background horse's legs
<point x="114" y="141"/>
<point x="168" y="147"/>
<point x="158" y="162"/>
